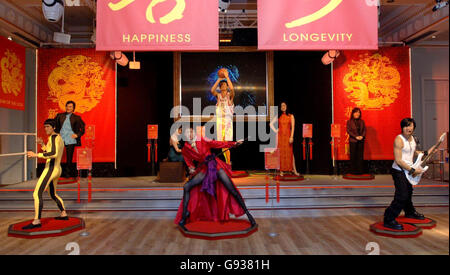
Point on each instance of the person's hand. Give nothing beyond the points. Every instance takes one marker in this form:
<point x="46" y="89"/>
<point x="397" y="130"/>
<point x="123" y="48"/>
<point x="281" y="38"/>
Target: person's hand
<point x="239" y="142"/>
<point x="359" y="137"/>
<point x="417" y="171"/>
<point x="191" y="170"/>
<point x="74" y="136"/>
<point x="225" y="73"/>
<point x="31" y="154"/>
<point x="291" y="140"/>
<point x="39" y="141"/>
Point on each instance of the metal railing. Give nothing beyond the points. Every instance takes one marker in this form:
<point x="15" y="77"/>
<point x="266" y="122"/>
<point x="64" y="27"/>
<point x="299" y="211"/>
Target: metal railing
<point x="24" y="153"/>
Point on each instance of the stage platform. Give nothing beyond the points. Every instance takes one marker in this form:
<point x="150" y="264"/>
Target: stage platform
<point x="309" y="232"/>
<point x="144" y="193"/>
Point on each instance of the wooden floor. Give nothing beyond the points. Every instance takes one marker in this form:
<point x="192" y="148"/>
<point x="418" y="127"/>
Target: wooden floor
<point x="333" y="231"/>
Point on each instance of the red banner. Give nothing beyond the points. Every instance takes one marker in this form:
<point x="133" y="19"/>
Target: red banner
<point x="12" y="75"/>
<point x="157" y="25"/>
<point x="317" y="24"/>
<point x="378" y="82"/>
<point x="86" y="77"/>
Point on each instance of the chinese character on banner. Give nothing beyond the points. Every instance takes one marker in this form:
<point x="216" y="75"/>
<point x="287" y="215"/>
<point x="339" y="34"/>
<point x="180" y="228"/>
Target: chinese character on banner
<point x="165" y="25"/>
<point x="317" y="25"/>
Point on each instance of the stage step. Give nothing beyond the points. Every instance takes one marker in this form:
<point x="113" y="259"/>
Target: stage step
<point x="168" y="199"/>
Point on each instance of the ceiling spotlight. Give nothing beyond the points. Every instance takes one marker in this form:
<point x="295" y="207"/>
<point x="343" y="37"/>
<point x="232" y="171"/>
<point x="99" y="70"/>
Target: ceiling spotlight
<point x="330" y="56"/>
<point x="440" y="4"/>
<point x="119" y="57"/>
<point x="224" y="5"/>
<point x="53" y="9"/>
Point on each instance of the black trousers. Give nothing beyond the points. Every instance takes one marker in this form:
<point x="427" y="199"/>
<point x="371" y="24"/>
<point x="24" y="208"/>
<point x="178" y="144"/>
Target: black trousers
<point x="402" y="197"/>
<point x="357" y="157"/>
<point x="70" y="170"/>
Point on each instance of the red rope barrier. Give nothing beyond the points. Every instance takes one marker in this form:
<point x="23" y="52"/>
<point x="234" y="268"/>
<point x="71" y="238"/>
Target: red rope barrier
<point x="89" y="187"/>
<point x="267" y="189"/>
<point x="79" y="191"/>
<point x="278" y="191"/>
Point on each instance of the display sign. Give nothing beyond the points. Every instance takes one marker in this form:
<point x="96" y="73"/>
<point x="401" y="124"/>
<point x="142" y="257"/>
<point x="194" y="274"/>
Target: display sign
<point x="90" y="132"/>
<point x="307" y="130"/>
<point x="336" y="130"/>
<point x="84" y="158"/>
<point x="152" y="131"/>
<point x="272" y="158"/>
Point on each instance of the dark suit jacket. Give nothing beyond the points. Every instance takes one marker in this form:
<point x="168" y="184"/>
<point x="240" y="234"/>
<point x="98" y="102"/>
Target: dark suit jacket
<point x="353" y="131"/>
<point x="76" y="123"/>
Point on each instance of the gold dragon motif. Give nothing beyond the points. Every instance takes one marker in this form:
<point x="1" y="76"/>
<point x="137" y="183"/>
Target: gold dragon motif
<point x="78" y="79"/>
<point x="372" y="82"/>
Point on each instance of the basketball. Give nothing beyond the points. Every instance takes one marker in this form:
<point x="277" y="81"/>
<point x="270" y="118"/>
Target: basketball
<point x="221" y="72"/>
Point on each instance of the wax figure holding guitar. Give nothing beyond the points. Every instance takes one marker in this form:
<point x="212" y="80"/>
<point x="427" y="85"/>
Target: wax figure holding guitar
<point x="404" y="152"/>
<point x="210" y="194"/>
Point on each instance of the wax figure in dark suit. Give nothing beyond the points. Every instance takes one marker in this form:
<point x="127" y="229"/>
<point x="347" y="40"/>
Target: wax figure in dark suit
<point x="356" y="129"/>
<point x="71" y="127"/>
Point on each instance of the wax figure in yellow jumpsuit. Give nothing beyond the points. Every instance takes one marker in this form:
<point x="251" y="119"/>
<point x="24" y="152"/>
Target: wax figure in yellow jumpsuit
<point x="52" y="152"/>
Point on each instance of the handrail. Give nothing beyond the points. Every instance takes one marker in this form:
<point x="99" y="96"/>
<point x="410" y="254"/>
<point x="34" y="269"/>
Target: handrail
<point x="24" y="153"/>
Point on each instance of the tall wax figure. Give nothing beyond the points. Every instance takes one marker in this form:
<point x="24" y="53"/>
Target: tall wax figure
<point x="71" y="127"/>
<point x="356" y="129"/>
<point x="404" y="153"/>
<point x="210" y="194"/>
<point x="224" y="110"/>
<point x="285" y="140"/>
<point x="48" y="180"/>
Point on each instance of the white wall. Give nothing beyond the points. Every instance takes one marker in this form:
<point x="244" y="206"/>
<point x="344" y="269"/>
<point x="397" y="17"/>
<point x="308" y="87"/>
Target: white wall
<point x="430" y="65"/>
<point x="426" y="63"/>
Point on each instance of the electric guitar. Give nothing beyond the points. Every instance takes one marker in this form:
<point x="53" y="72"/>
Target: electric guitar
<point x="420" y="163"/>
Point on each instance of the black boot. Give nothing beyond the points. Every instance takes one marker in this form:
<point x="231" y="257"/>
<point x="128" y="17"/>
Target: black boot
<point x="250" y="218"/>
<point x="32" y="226"/>
<point x="183" y="220"/>
<point x="393" y="225"/>
<point x="415" y="215"/>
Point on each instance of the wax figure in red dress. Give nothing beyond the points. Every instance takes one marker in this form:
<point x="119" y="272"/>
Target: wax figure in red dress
<point x="210" y="195"/>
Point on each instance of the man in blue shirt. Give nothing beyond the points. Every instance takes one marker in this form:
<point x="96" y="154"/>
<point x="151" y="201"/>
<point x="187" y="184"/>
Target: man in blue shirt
<point x="71" y="127"/>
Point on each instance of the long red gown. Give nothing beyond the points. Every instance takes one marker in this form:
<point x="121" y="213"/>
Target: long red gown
<point x="203" y="206"/>
<point x="284" y="133"/>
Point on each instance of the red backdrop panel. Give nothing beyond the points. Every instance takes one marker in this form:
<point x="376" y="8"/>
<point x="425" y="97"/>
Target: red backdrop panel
<point x="157" y="25"/>
<point x="317" y="24"/>
<point x="378" y="82"/>
<point x="87" y="77"/>
<point x="12" y="75"/>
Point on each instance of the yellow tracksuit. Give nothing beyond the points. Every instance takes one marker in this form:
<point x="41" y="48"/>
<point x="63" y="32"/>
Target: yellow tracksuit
<point x="52" y="152"/>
